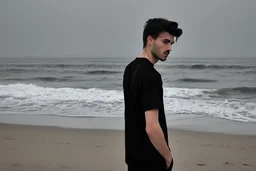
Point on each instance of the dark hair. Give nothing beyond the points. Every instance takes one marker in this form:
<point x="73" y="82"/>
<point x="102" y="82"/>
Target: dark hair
<point x="155" y="26"/>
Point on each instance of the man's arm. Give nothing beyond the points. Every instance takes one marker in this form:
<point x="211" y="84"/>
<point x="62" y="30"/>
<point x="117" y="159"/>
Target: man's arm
<point x="156" y="135"/>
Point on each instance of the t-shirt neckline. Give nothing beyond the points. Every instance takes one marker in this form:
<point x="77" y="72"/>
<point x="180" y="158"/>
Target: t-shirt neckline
<point x="145" y="59"/>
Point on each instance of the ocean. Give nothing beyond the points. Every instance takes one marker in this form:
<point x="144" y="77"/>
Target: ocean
<point x="222" y="88"/>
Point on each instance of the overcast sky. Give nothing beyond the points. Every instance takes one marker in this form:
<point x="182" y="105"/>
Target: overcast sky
<point x="88" y="28"/>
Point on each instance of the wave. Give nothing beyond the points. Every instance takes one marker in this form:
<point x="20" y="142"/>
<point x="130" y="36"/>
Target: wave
<point x="250" y="72"/>
<point x="202" y="66"/>
<point x="96" y="102"/>
<point x="47" y="79"/>
<point x="14" y="70"/>
<point x="196" y="80"/>
<point x="237" y="91"/>
<point x="19" y="70"/>
<point x="80" y="71"/>
<point x="104" y="94"/>
<point x="102" y="72"/>
<point x="66" y="78"/>
<point x="91" y="94"/>
<point x="63" y="65"/>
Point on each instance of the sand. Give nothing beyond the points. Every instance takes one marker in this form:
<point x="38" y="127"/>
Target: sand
<point x="41" y="148"/>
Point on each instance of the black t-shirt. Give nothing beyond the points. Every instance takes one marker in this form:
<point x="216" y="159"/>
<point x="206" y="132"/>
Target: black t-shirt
<point x="142" y="86"/>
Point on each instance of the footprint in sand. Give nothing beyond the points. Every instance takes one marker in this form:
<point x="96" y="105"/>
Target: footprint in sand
<point x="64" y="166"/>
<point x="15" y="164"/>
<point x="229" y="163"/>
<point x="8" y="138"/>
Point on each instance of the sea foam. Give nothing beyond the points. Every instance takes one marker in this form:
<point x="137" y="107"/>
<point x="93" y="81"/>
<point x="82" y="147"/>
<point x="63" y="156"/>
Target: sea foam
<point x="96" y="102"/>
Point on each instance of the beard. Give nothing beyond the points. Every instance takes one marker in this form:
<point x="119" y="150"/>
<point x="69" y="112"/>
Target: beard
<point x="156" y="53"/>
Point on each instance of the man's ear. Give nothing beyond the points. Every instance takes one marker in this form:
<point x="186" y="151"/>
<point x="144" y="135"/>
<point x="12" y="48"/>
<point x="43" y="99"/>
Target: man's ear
<point x="150" y="40"/>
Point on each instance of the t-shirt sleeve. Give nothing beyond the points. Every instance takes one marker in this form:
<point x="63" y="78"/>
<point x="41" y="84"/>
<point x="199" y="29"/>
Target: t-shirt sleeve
<point x="150" y="93"/>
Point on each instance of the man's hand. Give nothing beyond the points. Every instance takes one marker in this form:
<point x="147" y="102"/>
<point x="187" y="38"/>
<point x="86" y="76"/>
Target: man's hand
<point x="168" y="160"/>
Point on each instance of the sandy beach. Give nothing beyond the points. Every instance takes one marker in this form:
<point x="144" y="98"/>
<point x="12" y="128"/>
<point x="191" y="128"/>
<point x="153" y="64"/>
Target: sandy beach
<point x="44" y="148"/>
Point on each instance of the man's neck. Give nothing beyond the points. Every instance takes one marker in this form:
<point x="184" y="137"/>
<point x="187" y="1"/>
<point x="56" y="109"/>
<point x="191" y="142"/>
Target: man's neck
<point x="147" y="54"/>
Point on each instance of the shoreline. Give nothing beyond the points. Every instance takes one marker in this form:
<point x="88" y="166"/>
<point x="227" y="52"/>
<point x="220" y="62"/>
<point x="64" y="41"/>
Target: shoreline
<point x="49" y="148"/>
<point x="179" y="122"/>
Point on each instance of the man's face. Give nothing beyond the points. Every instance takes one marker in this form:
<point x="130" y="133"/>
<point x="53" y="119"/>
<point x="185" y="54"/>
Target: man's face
<point x="162" y="46"/>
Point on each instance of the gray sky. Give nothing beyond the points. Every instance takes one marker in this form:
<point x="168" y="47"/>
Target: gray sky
<point x="212" y="28"/>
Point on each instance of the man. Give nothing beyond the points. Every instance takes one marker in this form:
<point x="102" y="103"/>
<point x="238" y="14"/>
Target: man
<point x="146" y="136"/>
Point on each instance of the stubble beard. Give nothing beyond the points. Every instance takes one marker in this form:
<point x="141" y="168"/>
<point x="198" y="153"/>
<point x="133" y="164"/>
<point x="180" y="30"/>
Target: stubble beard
<point x="155" y="53"/>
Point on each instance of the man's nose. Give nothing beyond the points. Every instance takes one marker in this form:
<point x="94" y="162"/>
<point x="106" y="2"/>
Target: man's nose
<point x="170" y="48"/>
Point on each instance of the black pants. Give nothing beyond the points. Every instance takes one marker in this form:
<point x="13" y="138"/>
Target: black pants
<point x="148" y="167"/>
